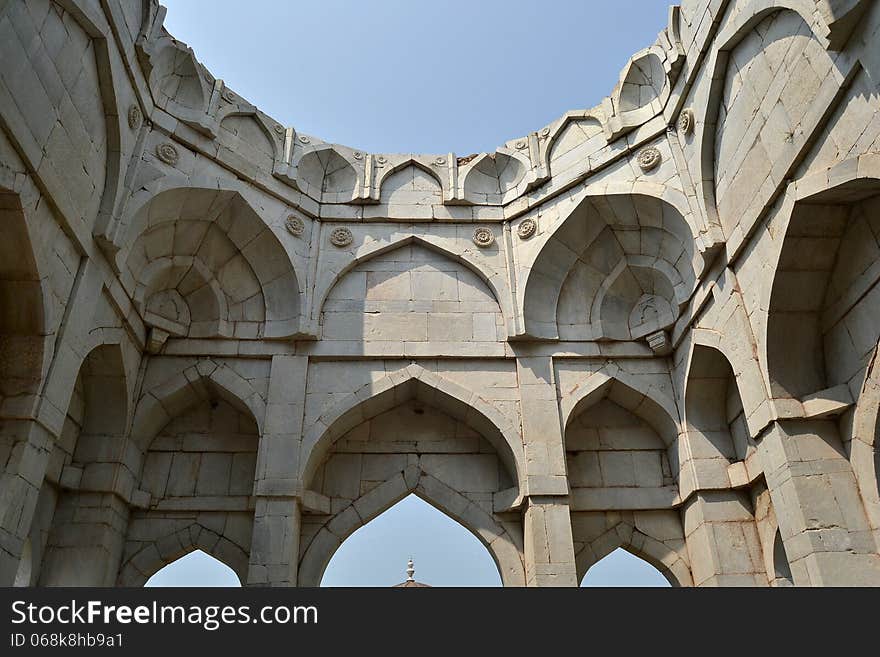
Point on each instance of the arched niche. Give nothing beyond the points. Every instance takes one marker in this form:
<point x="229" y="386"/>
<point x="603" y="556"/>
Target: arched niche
<point x="325" y="175"/>
<point x="617" y="438"/>
<point x="768" y="67"/>
<point x="410" y="183"/>
<point x="821" y="329"/>
<point x="618" y="267"/>
<point x="196" y="568"/>
<point x="445" y="553"/>
<point x="197" y="438"/>
<point x="492" y="176"/>
<point x="622" y="568"/>
<point x="91" y="455"/>
<point x="643" y="84"/>
<point x="566" y="146"/>
<point x="202" y="263"/>
<point x="175" y="81"/>
<point x="412" y="293"/>
<point x="22" y="315"/>
<point x="251" y="139"/>
<point x="716" y="428"/>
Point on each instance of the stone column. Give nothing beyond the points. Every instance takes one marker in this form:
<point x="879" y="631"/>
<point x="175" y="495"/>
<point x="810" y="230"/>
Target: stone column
<point x="275" y="544"/>
<point x="823" y="524"/>
<point x="719" y="523"/>
<point x="87" y="539"/>
<point x="549" y="547"/>
<point x="277" y="516"/>
<point x="29" y="447"/>
<point x="722" y="539"/>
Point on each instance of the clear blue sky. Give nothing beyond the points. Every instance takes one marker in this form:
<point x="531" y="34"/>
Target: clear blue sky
<point x="424" y="77"/>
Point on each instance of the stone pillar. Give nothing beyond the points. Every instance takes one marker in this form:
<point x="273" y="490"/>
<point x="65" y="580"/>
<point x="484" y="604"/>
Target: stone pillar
<point x="275" y="544"/>
<point x="719" y="523"/>
<point x="815" y="494"/>
<point x="549" y="547"/>
<point x="29" y="447"/>
<point x="277" y="516"/>
<point x="722" y="539"/>
<point x="87" y="539"/>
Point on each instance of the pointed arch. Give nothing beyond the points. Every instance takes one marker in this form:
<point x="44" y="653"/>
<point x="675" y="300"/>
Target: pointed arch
<point x="579" y="253"/>
<point x="496" y="283"/>
<point x="492" y="178"/>
<point x="326" y="175"/>
<point x="388" y="171"/>
<point x="737" y="29"/>
<point x="629" y="392"/>
<point x="214" y="223"/>
<point x="198" y="382"/>
<point x="656" y="537"/>
<point x="494" y="536"/>
<point x="153" y="555"/>
<point x="413" y="382"/>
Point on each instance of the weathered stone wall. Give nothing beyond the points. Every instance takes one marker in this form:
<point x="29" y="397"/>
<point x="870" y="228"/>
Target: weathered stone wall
<point x="651" y="324"/>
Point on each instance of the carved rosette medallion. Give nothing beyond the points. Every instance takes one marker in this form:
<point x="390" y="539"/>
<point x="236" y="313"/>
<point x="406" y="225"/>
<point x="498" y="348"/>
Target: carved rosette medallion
<point x="686" y="122"/>
<point x="484" y="237"/>
<point x="341" y="237"/>
<point x="295" y="225"/>
<point x="134" y="117"/>
<point x="527" y="228"/>
<point x="167" y="153"/>
<point x="649" y="159"/>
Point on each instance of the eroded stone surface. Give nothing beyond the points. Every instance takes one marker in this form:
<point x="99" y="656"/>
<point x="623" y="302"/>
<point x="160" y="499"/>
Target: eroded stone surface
<point x="652" y="324"/>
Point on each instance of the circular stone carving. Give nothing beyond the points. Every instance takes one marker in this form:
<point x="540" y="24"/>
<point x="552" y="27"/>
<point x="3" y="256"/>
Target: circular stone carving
<point x="686" y="122"/>
<point x="167" y="153"/>
<point x="484" y="237"/>
<point x="649" y="159"/>
<point x="440" y="161"/>
<point x="303" y="139"/>
<point x="229" y="95"/>
<point x="279" y="129"/>
<point x="526" y="228"/>
<point x="341" y="237"/>
<point x="295" y="225"/>
<point x="134" y="117"/>
<point x="521" y="144"/>
<point x="358" y="155"/>
<point x="381" y="160"/>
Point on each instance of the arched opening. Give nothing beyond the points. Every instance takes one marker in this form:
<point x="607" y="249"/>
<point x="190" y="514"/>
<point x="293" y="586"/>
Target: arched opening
<point x="716" y="431"/>
<point x="623" y="568"/>
<point x="445" y="553"/>
<point x="781" y="565"/>
<point x="420" y="436"/>
<point x="198" y="470"/>
<point x="89" y="497"/>
<point x="195" y="569"/>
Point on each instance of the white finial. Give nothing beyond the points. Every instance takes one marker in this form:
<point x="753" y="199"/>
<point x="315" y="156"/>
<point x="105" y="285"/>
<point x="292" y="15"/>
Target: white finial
<point x="410" y="571"/>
